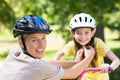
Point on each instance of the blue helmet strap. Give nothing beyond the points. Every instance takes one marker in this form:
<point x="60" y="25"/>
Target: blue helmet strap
<point x="25" y="49"/>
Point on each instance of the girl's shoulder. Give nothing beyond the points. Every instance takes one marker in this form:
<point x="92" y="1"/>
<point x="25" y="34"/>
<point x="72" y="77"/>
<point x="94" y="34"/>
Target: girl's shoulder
<point x="100" y="46"/>
<point x="71" y="43"/>
<point x="98" y="40"/>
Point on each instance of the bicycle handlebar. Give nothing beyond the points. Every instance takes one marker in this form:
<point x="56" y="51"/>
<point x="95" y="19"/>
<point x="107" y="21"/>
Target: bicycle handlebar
<point x="91" y="69"/>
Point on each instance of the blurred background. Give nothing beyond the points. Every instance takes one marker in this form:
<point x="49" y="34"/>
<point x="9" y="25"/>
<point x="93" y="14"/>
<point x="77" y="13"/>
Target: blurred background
<point x="58" y="14"/>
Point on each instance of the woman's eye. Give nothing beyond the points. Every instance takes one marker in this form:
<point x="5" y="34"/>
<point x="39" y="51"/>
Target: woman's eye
<point x="43" y="38"/>
<point x="33" y="40"/>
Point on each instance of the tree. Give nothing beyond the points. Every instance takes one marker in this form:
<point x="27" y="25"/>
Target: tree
<point x="7" y="15"/>
<point x="59" y="12"/>
<point x="113" y="22"/>
<point x="67" y="8"/>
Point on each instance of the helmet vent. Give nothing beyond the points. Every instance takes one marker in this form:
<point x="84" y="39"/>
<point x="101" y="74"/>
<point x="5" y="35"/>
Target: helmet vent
<point x="33" y="20"/>
<point x="90" y="20"/>
<point x="30" y="24"/>
<point x="75" y="20"/>
<point x="85" y="19"/>
<point x="80" y="19"/>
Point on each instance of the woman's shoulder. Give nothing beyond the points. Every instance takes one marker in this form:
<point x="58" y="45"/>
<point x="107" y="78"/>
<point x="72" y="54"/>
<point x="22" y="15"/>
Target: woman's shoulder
<point x="15" y="49"/>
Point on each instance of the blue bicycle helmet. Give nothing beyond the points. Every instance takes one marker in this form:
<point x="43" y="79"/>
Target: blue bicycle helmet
<point x="30" y="24"/>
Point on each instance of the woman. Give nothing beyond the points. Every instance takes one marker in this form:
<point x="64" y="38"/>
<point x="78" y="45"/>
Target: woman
<point x="24" y="62"/>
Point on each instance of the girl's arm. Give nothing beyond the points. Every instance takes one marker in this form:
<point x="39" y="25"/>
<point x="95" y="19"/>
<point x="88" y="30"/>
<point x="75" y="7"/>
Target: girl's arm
<point x="58" y="55"/>
<point x="115" y="60"/>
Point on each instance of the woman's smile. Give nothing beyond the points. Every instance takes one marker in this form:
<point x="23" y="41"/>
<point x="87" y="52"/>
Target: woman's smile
<point x="40" y="51"/>
<point x="36" y="44"/>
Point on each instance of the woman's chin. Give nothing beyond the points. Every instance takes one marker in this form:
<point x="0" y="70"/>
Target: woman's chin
<point x="39" y="55"/>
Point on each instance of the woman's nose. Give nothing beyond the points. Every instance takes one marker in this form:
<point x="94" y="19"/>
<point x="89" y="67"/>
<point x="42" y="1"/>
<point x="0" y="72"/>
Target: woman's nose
<point x="40" y="44"/>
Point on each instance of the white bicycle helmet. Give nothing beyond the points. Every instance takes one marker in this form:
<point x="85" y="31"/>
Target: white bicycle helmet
<point x="82" y="20"/>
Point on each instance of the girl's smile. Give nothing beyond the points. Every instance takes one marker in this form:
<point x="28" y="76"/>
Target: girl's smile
<point x="83" y="35"/>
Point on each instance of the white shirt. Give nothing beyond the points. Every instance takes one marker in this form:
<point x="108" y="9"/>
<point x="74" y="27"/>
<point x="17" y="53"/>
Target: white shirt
<point x="24" y="67"/>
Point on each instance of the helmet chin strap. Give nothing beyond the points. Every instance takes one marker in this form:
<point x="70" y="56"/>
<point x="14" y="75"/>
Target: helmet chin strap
<point x="24" y="47"/>
<point x="23" y="42"/>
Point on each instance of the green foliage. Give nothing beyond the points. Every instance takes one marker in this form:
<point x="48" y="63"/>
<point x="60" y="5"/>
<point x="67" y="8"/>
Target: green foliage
<point x="7" y="15"/>
<point x="113" y="21"/>
<point x="3" y="55"/>
<point x="59" y="12"/>
<point x="5" y="34"/>
<point x="115" y="75"/>
<point x="49" y="54"/>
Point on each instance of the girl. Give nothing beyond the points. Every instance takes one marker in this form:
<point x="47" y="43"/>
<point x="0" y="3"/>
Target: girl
<point x="24" y="62"/>
<point x="83" y="28"/>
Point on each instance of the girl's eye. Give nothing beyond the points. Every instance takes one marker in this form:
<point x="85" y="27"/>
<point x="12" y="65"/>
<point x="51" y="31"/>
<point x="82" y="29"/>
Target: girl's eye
<point x="86" y="32"/>
<point x="77" y="33"/>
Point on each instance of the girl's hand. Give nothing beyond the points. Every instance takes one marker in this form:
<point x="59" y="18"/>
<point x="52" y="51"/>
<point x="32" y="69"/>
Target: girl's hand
<point x="79" y="54"/>
<point x="104" y="68"/>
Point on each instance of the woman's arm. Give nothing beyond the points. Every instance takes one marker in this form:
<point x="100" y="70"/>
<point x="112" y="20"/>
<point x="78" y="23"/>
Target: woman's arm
<point x="76" y="70"/>
<point x="69" y="63"/>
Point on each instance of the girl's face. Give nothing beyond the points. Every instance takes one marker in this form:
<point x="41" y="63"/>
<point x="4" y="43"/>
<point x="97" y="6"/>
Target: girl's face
<point x="83" y="35"/>
<point x="36" y="44"/>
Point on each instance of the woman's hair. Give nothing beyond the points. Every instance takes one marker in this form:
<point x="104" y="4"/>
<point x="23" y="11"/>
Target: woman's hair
<point x="91" y="43"/>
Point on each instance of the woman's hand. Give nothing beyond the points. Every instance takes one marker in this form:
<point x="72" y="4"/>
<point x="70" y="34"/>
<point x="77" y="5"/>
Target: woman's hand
<point x="89" y="51"/>
<point x="79" y="55"/>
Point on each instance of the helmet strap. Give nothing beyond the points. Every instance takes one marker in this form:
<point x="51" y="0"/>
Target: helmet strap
<point x="24" y="47"/>
<point x="23" y="42"/>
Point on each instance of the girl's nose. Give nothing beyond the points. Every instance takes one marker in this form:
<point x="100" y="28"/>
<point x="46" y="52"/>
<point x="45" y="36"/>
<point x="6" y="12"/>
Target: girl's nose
<point x="82" y="37"/>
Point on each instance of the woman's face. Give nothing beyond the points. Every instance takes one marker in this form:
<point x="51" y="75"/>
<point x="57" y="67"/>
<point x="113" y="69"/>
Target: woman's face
<point x="83" y="35"/>
<point x="36" y="44"/>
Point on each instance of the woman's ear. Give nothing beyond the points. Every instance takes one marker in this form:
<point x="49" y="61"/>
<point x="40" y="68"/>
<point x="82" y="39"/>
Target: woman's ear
<point x="20" y="43"/>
